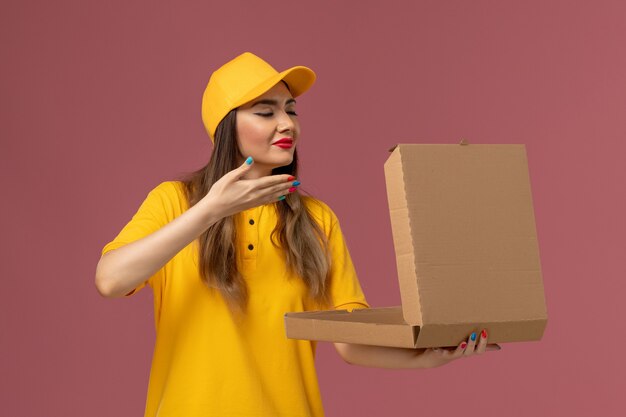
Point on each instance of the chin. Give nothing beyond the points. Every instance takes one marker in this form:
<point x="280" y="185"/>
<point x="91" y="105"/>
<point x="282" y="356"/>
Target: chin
<point x="277" y="163"/>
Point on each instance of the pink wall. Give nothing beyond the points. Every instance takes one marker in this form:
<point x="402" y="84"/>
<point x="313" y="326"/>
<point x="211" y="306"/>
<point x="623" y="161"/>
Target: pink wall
<point x="101" y="102"/>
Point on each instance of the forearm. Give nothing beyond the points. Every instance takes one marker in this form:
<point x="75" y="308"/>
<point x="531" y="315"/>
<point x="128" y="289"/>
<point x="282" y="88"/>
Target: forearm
<point x="382" y="356"/>
<point x="121" y="270"/>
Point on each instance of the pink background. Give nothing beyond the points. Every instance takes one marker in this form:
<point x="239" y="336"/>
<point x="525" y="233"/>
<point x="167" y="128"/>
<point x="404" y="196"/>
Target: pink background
<point x="101" y="102"/>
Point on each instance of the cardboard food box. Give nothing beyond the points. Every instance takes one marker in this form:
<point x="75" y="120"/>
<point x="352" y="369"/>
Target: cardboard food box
<point x="466" y="251"/>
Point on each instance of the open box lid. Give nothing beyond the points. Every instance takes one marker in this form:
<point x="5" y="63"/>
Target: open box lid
<point x="464" y="234"/>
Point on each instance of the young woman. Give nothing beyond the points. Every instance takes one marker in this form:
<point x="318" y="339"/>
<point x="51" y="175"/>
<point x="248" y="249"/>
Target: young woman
<point x="230" y="249"/>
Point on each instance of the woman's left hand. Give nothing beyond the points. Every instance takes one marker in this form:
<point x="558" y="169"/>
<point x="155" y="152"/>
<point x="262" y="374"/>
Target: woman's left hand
<point x="476" y="344"/>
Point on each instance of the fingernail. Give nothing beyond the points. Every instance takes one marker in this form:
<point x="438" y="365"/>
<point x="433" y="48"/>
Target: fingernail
<point x="473" y="336"/>
<point x="292" y="189"/>
<point x="463" y="345"/>
<point x="281" y="198"/>
<point x="249" y="160"/>
<point x="296" y="183"/>
<point x="291" y="178"/>
<point x="483" y="334"/>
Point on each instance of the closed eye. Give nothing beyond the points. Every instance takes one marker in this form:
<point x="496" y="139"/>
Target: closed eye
<point x="271" y="114"/>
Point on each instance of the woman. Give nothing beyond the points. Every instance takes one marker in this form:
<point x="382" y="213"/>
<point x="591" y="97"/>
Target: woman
<point x="230" y="249"/>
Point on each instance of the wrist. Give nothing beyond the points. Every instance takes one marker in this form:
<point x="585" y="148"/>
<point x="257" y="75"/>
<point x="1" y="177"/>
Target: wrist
<point x="211" y="210"/>
<point x="423" y="361"/>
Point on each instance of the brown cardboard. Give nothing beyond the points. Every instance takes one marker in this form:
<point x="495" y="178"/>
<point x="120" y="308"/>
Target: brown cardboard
<point x="466" y="252"/>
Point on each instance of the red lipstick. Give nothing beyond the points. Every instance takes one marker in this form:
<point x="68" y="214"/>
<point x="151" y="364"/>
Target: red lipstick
<point x="284" y="143"/>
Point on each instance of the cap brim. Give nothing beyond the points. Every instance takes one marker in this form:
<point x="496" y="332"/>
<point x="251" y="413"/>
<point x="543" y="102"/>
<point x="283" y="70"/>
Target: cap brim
<point x="299" y="79"/>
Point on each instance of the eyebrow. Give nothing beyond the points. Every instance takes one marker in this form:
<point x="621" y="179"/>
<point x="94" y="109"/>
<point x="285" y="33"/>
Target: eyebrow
<point x="272" y="102"/>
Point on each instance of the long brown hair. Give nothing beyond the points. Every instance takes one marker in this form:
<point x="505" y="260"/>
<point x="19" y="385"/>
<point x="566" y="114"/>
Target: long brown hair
<point x="301" y="238"/>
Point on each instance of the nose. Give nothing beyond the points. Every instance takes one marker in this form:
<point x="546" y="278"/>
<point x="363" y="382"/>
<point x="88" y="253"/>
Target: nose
<point x="285" y="123"/>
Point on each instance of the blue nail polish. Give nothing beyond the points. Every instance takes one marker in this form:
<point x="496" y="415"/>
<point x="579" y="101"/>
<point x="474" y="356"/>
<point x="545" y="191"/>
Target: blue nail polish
<point x="249" y="160"/>
<point x="281" y="198"/>
<point x="473" y="336"/>
<point x="296" y="183"/>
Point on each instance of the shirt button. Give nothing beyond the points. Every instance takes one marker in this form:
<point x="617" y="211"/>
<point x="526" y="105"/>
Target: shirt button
<point x="251" y="221"/>
<point x="251" y="246"/>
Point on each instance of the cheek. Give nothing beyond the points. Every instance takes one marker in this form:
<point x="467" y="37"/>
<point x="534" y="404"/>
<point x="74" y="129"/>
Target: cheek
<point x="250" y="134"/>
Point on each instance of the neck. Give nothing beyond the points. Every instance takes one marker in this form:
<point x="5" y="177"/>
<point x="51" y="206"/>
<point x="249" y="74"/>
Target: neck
<point x="258" y="171"/>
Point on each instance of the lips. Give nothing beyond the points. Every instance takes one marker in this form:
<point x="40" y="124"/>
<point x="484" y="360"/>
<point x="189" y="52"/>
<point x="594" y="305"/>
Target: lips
<point x="284" y="143"/>
<point x="284" y="140"/>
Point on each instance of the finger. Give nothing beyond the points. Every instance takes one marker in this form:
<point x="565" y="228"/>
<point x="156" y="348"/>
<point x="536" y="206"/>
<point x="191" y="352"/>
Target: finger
<point x="458" y="352"/>
<point x="237" y="173"/>
<point x="283" y="188"/>
<point x="471" y="344"/>
<point x="277" y="196"/>
<point x="482" y="342"/>
<point x="273" y="180"/>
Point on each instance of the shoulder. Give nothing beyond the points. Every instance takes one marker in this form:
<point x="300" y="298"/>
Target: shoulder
<point x="168" y="195"/>
<point x="171" y="190"/>
<point x="320" y="211"/>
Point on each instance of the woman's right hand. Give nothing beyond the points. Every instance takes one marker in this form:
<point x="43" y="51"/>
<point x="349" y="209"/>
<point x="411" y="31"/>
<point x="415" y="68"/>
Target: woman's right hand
<point x="124" y="269"/>
<point x="232" y="194"/>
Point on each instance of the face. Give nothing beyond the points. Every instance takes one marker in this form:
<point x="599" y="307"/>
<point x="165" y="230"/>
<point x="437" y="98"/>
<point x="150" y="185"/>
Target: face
<point x="264" y="121"/>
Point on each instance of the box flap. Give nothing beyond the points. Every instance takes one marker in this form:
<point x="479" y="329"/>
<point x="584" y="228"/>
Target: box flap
<point x="464" y="234"/>
<point x="370" y="326"/>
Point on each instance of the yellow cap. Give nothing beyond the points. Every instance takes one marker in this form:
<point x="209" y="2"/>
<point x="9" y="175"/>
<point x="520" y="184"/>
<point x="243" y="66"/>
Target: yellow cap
<point x="243" y="79"/>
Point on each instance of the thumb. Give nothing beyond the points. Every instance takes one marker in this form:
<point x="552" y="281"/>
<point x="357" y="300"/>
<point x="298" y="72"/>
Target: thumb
<point x="248" y="162"/>
<point x="243" y="168"/>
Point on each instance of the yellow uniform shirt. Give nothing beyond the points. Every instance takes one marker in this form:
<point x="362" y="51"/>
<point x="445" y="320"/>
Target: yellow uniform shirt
<point x="204" y="363"/>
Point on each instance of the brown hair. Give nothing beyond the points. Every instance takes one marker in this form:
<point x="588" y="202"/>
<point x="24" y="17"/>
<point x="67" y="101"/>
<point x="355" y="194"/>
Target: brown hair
<point x="304" y="243"/>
